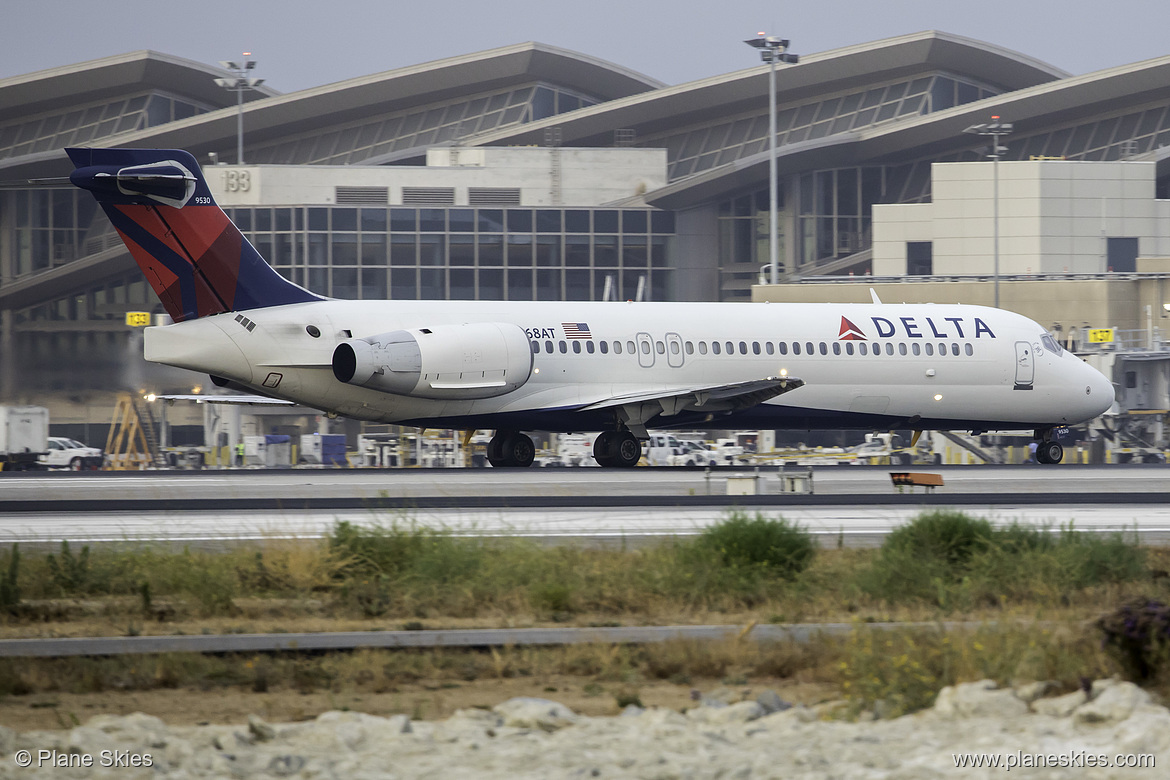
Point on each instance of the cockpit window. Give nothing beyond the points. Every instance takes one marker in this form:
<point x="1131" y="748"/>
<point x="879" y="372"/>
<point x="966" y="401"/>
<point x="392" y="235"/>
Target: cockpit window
<point x="1051" y="344"/>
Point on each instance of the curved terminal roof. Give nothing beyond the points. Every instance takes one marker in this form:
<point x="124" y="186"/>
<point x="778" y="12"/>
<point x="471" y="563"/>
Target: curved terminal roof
<point x="1033" y="95"/>
<point x="1039" y="108"/>
<point x="333" y="104"/>
<point x="817" y="75"/>
<point x="44" y="90"/>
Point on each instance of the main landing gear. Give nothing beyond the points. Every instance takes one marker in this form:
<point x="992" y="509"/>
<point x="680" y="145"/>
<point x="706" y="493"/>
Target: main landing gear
<point x="1048" y="450"/>
<point x="511" y="449"/>
<point x="617" y="448"/>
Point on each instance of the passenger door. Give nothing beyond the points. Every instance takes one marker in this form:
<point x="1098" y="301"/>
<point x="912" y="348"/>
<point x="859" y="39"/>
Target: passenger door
<point x="645" y="350"/>
<point x="1025" y="366"/>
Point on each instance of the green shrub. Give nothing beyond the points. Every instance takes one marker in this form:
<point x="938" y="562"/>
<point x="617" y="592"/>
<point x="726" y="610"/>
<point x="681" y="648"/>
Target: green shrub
<point x="1016" y="538"/>
<point x="943" y="535"/>
<point x="924" y="559"/>
<point x="775" y="546"/>
<point x="553" y="597"/>
<point x="398" y="551"/>
<point x="899" y="576"/>
<point x="1091" y="559"/>
<point x="369" y="596"/>
<point x="955" y="562"/>
<point x="9" y="586"/>
<point x="71" y="572"/>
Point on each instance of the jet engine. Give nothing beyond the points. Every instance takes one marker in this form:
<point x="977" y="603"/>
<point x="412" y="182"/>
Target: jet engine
<point x="476" y="360"/>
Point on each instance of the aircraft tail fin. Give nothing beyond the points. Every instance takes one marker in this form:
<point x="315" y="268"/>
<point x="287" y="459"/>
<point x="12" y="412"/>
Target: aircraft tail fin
<point x="196" y="260"/>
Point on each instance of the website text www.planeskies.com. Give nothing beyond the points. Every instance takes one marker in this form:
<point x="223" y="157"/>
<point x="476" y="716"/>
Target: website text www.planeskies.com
<point x="1069" y="759"/>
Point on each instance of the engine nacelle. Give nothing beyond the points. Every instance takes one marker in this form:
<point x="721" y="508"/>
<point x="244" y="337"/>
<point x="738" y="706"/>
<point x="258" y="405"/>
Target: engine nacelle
<point x="477" y="360"/>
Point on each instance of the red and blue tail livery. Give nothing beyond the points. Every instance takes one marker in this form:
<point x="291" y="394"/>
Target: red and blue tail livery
<point x="196" y="260"/>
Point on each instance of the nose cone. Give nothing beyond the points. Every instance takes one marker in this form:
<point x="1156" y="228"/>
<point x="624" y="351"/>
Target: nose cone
<point x="1098" y="396"/>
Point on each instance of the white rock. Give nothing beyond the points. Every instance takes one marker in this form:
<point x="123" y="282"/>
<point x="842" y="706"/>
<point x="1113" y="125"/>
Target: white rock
<point x="126" y="724"/>
<point x="1114" y="703"/>
<point x="978" y="700"/>
<point x="771" y="702"/>
<point x="177" y="753"/>
<point x="740" y="712"/>
<point x="1031" y="691"/>
<point x="1100" y="686"/>
<point x="286" y="765"/>
<point x="661" y="717"/>
<point x="532" y="713"/>
<point x="87" y="740"/>
<point x="260" y="730"/>
<point x="658" y="743"/>
<point x="1060" y="706"/>
<point x="7" y="741"/>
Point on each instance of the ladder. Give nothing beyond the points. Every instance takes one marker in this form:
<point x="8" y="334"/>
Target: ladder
<point x="130" y="445"/>
<point x="149" y="430"/>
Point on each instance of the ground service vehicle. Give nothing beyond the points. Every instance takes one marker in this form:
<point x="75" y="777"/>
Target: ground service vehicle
<point x="24" y="437"/>
<point x="70" y="454"/>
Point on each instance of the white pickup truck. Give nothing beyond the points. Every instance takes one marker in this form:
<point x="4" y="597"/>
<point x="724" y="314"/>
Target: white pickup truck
<point x="665" y="449"/>
<point x="71" y="454"/>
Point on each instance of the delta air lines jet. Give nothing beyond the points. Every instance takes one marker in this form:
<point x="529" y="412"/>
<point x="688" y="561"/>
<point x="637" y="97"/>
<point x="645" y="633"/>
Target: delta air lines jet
<point x="615" y="368"/>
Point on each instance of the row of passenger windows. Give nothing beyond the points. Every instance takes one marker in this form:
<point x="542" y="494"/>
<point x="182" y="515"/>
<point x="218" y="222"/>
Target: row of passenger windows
<point x="782" y="347"/>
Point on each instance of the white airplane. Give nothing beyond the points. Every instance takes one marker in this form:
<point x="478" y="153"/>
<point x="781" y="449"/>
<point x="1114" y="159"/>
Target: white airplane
<point x="617" y="368"/>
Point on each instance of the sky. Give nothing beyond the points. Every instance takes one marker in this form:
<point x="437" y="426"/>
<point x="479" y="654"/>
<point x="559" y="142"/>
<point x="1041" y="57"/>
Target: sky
<point x="305" y="43"/>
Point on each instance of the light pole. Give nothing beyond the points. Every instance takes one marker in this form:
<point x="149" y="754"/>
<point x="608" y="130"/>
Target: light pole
<point x="239" y="83"/>
<point x="772" y="50"/>
<point x="995" y="129"/>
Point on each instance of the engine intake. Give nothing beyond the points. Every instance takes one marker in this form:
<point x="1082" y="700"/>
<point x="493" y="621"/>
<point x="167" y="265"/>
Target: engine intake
<point x="477" y="360"/>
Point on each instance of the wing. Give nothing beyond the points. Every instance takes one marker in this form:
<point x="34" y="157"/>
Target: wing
<point x="638" y="408"/>
<point x="238" y="400"/>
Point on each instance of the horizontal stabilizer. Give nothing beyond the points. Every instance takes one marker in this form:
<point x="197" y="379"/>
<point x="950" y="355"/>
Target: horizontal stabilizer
<point x="168" y="182"/>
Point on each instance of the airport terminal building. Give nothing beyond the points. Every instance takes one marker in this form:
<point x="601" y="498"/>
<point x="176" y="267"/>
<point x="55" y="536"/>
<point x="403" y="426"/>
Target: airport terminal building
<point x="534" y="173"/>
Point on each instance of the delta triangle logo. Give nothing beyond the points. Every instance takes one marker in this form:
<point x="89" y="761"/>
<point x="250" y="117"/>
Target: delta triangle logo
<point x="850" y="332"/>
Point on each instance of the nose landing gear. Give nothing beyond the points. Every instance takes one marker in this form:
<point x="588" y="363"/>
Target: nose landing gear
<point x="1048" y="450"/>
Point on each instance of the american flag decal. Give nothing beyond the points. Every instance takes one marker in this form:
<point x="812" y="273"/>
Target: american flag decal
<point x="576" y="330"/>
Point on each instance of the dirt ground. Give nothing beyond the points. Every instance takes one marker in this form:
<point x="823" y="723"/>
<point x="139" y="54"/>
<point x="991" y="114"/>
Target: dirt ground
<point x="421" y="701"/>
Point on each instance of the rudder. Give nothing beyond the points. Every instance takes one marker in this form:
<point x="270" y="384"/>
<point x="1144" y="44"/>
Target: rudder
<point x="196" y="260"/>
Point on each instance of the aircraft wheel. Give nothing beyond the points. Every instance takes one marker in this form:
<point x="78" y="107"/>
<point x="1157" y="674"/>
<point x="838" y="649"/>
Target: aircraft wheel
<point x="519" y="451"/>
<point x="603" y="448"/>
<point x="1050" y="452"/>
<point x="511" y="449"/>
<point x="627" y="450"/>
<point x="495" y="449"/>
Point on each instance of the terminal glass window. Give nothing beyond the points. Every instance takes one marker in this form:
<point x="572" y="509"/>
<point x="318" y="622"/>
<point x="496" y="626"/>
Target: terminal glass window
<point x="726" y="140"/>
<point x="405" y="134"/>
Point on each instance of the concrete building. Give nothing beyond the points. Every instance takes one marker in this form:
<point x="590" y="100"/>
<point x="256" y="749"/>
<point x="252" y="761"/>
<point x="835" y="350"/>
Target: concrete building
<point x="1054" y="217"/>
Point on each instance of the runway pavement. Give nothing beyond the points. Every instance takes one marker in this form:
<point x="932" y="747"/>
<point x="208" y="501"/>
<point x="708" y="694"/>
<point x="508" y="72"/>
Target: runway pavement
<point x="319" y="484"/>
<point x="853" y="506"/>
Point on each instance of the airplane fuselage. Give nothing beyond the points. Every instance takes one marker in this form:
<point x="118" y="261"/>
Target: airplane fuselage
<point x="864" y="366"/>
